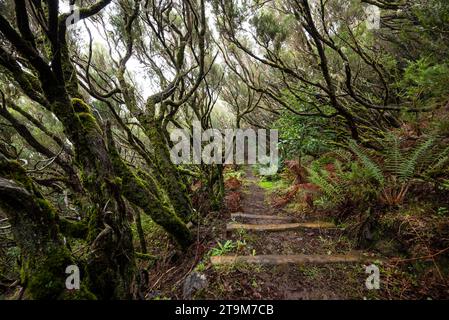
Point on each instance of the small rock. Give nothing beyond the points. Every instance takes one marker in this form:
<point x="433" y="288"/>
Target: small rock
<point x="194" y="282"/>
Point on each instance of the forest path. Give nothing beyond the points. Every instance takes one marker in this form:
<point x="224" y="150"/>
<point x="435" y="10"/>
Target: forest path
<point x="307" y="258"/>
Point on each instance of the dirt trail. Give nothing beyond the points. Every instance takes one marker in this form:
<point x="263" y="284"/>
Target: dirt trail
<point x="286" y="280"/>
<point x="254" y="201"/>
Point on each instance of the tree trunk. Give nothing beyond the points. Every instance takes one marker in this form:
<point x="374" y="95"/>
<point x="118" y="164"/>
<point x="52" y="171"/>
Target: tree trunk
<point x="166" y="172"/>
<point x="171" y="180"/>
<point x="147" y="196"/>
<point x="111" y="265"/>
<point x="140" y="232"/>
<point x="33" y="220"/>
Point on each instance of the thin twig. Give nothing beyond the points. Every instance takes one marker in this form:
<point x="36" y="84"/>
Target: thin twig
<point x="431" y="256"/>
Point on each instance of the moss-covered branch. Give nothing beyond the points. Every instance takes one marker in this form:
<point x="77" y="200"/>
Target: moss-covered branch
<point x="33" y="220"/>
<point x="147" y="196"/>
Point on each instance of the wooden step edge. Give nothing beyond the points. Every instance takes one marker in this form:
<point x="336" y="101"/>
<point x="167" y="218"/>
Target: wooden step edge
<point x="260" y="216"/>
<point x="288" y="259"/>
<point x="279" y="227"/>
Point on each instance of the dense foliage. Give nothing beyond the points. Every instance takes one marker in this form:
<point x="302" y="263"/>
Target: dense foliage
<point x="87" y="110"/>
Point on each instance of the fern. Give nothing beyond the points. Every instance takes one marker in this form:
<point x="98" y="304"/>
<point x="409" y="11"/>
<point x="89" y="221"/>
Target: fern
<point x="222" y="249"/>
<point x="403" y="165"/>
<point x="438" y="162"/>
<point x="409" y="167"/>
<point x="332" y="191"/>
<point x="393" y="174"/>
<point x="393" y="154"/>
<point x="371" y="166"/>
<point x="343" y="155"/>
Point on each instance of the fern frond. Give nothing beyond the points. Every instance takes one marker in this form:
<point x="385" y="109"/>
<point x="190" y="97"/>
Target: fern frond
<point x="344" y="155"/>
<point x="332" y="191"/>
<point x="338" y="167"/>
<point x="410" y="167"/>
<point x="439" y="161"/>
<point x="393" y="154"/>
<point x="370" y="165"/>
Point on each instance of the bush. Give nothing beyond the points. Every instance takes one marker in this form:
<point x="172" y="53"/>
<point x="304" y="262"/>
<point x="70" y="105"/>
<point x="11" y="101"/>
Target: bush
<point x="387" y="175"/>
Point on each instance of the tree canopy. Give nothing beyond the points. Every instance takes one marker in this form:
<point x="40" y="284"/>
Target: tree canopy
<point x="91" y="91"/>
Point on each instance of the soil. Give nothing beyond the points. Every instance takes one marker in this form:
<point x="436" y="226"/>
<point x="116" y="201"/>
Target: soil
<point x="336" y="281"/>
<point x="298" y="282"/>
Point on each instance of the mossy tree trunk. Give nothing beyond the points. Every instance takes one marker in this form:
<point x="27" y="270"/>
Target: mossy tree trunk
<point x="110" y="265"/>
<point x="147" y="195"/>
<point x="165" y="170"/>
<point x="111" y="262"/>
<point x="140" y="231"/>
<point x="34" y="224"/>
<point x="171" y="180"/>
<point x="217" y="189"/>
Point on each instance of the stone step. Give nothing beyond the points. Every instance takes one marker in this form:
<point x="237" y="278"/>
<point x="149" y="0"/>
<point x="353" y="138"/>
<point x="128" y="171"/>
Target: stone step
<point x="289" y="259"/>
<point x="260" y="216"/>
<point x="279" y="227"/>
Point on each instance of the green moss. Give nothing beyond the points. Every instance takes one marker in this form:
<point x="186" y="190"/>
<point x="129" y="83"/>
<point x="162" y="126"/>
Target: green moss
<point x="45" y="276"/>
<point x="75" y="229"/>
<point x="83" y="113"/>
<point x="138" y="191"/>
<point x="42" y="279"/>
<point x="272" y="185"/>
<point x="95" y="224"/>
<point x="168" y="175"/>
<point x="46" y="207"/>
<point x="79" y="106"/>
<point x="87" y="120"/>
<point x="147" y="196"/>
<point x="135" y="190"/>
<point x="14" y="171"/>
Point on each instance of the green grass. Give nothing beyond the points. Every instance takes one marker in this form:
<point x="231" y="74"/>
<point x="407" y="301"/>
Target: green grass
<point x="223" y="248"/>
<point x="266" y="184"/>
<point x="200" y="267"/>
<point x="273" y="185"/>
